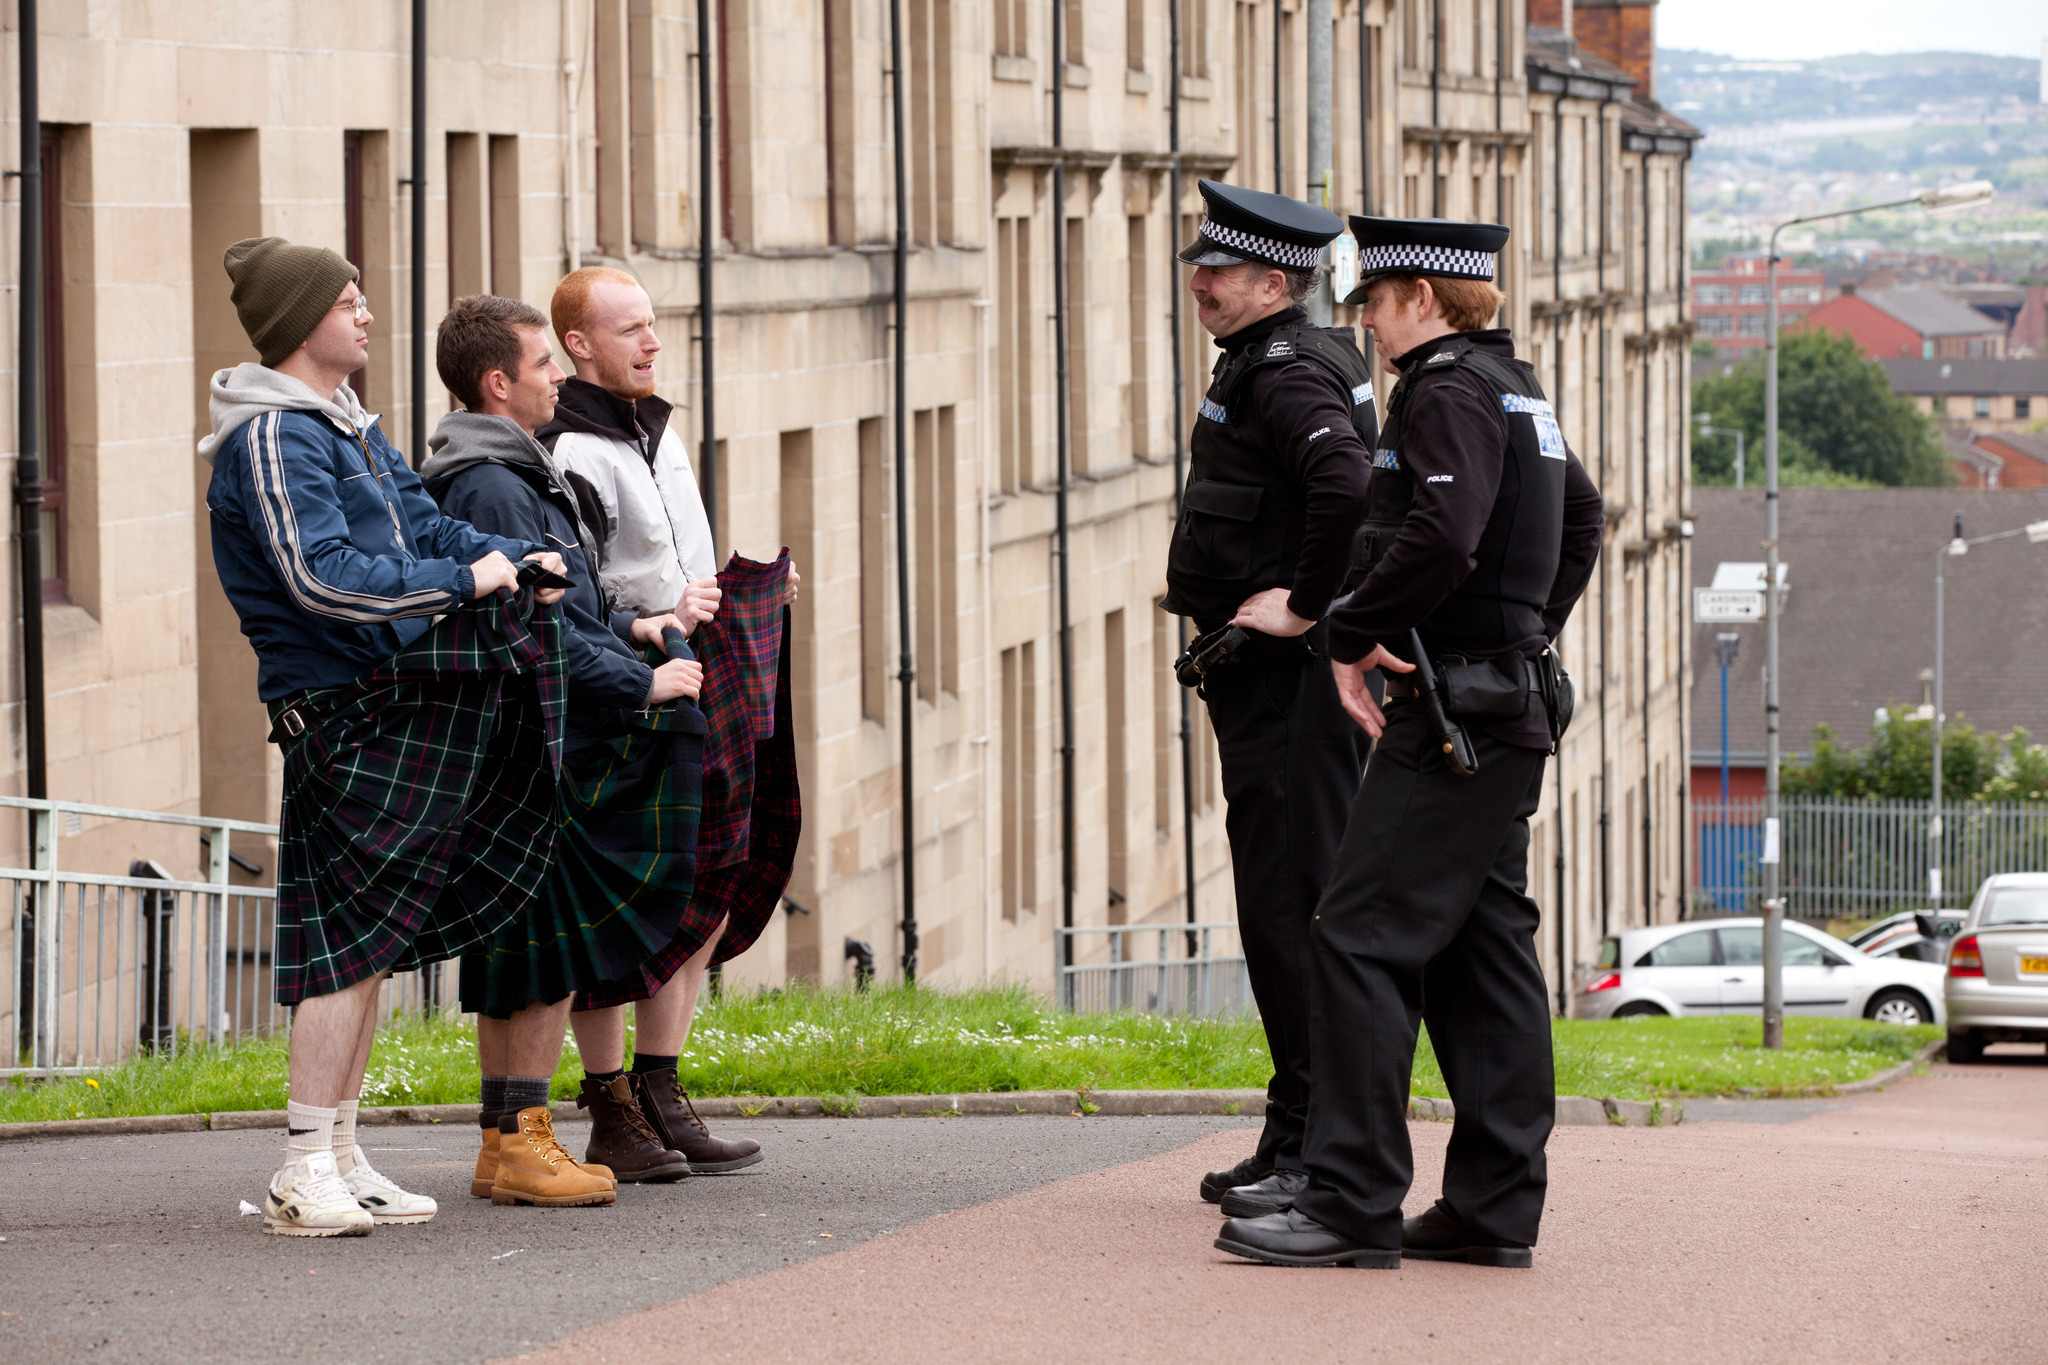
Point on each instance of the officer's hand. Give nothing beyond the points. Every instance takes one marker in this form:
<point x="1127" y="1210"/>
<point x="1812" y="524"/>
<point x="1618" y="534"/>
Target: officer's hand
<point x="1351" y="687"/>
<point x="552" y="562"/>
<point x="676" y="678"/>
<point x="1266" y="612"/>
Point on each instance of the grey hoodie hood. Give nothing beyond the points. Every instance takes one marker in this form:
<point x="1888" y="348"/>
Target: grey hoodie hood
<point x="249" y="390"/>
<point x="466" y="438"/>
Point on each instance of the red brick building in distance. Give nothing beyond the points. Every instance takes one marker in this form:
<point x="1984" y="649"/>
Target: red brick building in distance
<point x="1730" y="305"/>
<point x="1890" y="323"/>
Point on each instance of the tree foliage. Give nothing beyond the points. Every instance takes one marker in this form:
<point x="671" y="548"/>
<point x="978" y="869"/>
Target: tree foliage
<point x="1839" y="423"/>
<point x="1898" y="763"/>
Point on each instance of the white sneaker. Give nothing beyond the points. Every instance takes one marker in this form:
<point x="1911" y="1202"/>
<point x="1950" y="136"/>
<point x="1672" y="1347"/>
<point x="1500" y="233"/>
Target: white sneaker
<point x="308" y="1199"/>
<point x="385" y="1202"/>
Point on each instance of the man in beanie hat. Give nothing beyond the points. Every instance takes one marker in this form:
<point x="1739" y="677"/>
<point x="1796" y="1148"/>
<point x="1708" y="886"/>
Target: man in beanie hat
<point x="1481" y="530"/>
<point x="1275" y="490"/>
<point x="414" y="685"/>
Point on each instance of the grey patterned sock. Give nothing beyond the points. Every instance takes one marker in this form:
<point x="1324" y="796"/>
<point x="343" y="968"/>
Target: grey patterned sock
<point x="524" y="1092"/>
<point x="494" y="1096"/>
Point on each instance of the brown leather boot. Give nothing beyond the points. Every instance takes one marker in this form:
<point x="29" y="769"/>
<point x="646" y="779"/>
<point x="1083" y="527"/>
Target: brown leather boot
<point x="620" y="1136"/>
<point x="486" y="1160"/>
<point x="669" y="1110"/>
<point x="534" y="1168"/>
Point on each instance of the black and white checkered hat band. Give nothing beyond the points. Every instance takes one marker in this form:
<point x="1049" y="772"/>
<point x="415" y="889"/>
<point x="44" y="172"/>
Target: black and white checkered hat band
<point x="1286" y="254"/>
<point x="1425" y="260"/>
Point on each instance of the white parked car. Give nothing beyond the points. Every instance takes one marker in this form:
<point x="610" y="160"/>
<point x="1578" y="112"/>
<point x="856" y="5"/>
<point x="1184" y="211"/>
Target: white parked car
<point x="1716" y="967"/>
<point x="1998" y="967"/>
<point x="1904" y="935"/>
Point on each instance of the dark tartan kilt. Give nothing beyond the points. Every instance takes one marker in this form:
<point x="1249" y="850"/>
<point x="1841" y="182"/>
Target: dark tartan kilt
<point x="419" y="804"/>
<point x="619" y="887"/>
<point x="744" y="894"/>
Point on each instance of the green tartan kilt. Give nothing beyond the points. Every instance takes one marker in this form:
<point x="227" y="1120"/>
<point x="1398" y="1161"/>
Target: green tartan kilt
<point x="623" y="870"/>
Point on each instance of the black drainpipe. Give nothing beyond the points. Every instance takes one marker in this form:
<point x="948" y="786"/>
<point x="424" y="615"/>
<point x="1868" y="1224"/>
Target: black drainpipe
<point x="1684" y="751"/>
<point x="707" y="247"/>
<point x="1500" y="146"/>
<point x="1436" y="121"/>
<point x="1279" y="116"/>
<point x="28" y="469"/>
<point x="906" y="674"/>
<point x="1187" y="733"/>
<point x="1649" y="791"/>
<point x="417" y="186"/>
<point x="1364" y="114"/>
<point x="1061" y="418"/>
<point x="28" y="488"/>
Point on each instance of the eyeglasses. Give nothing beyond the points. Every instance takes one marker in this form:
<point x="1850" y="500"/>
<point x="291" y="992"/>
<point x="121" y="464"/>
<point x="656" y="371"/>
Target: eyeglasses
<point x="360" y="304"/>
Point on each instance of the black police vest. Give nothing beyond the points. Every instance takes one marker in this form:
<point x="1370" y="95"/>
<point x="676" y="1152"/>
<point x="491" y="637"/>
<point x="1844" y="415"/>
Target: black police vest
<point x="1501" y="601"/>
<point x="1242" y="517"/>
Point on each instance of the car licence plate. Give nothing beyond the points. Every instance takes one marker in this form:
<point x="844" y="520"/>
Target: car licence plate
<point x="2034" y="964"/>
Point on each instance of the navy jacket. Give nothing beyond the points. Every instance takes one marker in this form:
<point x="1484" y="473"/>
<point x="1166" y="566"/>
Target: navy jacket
<point x="509" y="492"/>
<point x="331" y="552"/>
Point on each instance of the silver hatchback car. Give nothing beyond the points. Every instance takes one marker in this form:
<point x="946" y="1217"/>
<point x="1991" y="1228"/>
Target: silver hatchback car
<point x="1997" y="983"/>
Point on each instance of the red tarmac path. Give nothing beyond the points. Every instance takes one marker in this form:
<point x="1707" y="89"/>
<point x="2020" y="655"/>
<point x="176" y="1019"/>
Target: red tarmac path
<point x="1910" y="1225"/>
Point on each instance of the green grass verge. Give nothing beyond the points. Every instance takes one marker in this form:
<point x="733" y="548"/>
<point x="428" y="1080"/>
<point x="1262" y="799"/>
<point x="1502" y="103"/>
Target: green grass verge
<point x="838" y="1044"/>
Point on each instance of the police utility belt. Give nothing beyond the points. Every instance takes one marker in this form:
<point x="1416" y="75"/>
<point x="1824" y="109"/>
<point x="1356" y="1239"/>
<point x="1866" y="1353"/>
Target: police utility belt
<point x="1490" y="689"/>
<point x="1226" y="645"/>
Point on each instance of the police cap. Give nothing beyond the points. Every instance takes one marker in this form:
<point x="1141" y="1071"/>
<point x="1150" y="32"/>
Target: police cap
<point x="1423" y="246"/>
<point x="1241" y="225"/>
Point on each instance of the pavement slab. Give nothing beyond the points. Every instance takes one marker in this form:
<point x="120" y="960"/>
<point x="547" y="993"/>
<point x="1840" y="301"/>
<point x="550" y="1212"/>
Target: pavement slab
<point x="1908" y="1225"/>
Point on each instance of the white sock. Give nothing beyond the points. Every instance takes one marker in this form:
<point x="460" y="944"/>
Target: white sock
<point x="346" y="1154"/>
<point x="308" y="1129"/>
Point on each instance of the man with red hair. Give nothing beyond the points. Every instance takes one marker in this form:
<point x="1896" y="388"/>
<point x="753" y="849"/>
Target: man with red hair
<point x="638" y="497"/>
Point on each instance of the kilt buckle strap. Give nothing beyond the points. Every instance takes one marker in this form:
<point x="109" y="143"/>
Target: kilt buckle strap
<point x="290" y="724"/>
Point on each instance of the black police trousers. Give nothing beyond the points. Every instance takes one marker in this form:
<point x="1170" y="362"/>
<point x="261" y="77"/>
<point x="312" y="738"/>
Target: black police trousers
<point x="1291" y="760"/>
<point x="1427" y="916"/>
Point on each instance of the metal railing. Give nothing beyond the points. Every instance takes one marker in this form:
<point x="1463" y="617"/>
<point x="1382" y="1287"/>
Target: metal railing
<point x="1845" y="857"/>
<point x="1182" y="969"/>
<point x="102" y="967"/>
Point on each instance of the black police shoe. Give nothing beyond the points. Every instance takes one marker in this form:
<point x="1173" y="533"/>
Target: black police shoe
<point x="1293" y="1238"/>
<point x="1437" y="1236"/>
<point x="1275" y="1194"/>
<point x="1216" y="1184"/>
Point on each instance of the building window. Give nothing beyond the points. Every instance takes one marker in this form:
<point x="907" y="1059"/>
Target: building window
<point x="1136" y="408"/>
<point x="1718" y="325"/>
<point x="1194" y="38"/>
<point x="55" y="438"/>
<point x="875" y="531"/>
<point x="1753" y="293"/>
<point x="935" y="530"/>
<point x="1012" y="31"/>
<point x="1019" y="815"/>
<point x="1753" y="325"/>
<point x="1079" y="431"/>
<point x="1710" y="294"/>
<point x="2022" y="409"/>
<point x="1940" y="410"/>
<point x="1017" y="326"/>
<point x="931" y="120"/>
<point x="1980" y="407"/>
<point x="1798" y="293"/>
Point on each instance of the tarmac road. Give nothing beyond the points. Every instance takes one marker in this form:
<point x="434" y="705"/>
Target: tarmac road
<point x="1908" y="1225"/>
<point x="130" y="1248"/>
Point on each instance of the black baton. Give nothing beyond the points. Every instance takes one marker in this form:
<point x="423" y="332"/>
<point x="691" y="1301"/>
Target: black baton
<point x="1457" y="748"/>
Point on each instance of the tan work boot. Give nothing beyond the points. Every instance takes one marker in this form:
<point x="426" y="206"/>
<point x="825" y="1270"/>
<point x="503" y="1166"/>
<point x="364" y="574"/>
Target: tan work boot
<point x="534" y="1168"/>
<point x="486" y="1160"/>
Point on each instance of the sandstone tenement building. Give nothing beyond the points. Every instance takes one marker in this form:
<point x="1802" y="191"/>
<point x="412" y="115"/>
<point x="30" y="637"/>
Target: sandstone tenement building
<point x="566" y="131"/>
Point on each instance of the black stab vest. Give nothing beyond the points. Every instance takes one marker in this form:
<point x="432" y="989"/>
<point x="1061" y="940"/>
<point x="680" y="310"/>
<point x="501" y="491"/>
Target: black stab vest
<point x="1242" y="516"/>
<point x="1501" y="601"/>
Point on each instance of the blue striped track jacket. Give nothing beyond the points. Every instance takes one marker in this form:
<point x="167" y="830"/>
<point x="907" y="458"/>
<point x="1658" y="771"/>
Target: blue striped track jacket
<point x="330" y="551"/>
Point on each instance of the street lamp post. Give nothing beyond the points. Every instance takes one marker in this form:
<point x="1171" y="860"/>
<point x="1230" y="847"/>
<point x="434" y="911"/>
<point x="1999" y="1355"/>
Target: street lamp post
<point x="1953" y="198"/>
<point x="1737" y="432"/>
<point x="2036" y="533"/>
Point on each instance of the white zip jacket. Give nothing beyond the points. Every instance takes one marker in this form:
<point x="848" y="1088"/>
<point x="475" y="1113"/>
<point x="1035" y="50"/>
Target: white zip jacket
<point x="654" y="539"/>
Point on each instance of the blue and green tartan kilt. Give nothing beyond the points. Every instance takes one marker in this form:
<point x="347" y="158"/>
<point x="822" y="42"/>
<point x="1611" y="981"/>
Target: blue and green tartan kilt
<point x="419" y="804"/>
<point x="624" y="864"/>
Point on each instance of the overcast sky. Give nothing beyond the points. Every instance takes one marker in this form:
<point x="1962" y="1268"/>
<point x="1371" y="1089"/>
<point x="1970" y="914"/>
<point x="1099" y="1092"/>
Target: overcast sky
<point x="1761" y="30"/>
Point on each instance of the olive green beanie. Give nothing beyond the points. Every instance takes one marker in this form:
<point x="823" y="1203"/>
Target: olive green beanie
<point x="282" y="291"/>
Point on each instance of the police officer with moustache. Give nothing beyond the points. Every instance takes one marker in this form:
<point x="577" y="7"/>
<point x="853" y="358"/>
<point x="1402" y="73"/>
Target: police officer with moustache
<point x="1481" y="531"/>
<point x="1274" y="495"/>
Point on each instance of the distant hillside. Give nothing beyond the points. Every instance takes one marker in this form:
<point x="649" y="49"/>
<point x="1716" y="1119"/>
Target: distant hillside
<point x="1715" y="90"/>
